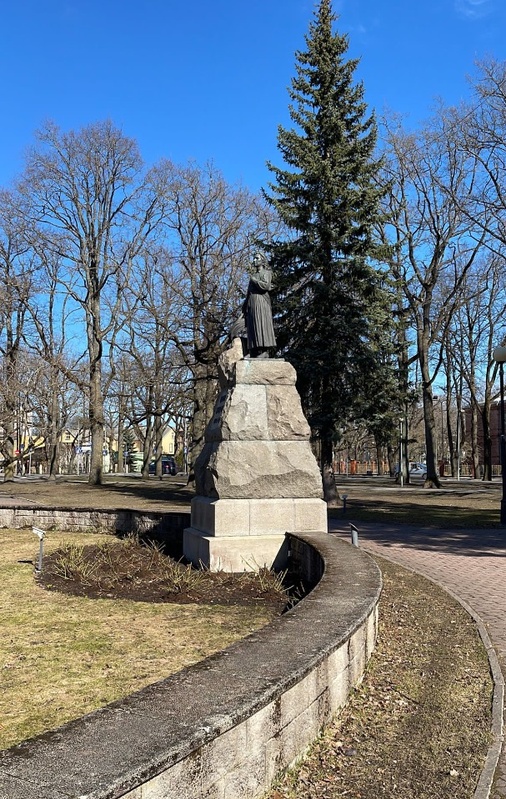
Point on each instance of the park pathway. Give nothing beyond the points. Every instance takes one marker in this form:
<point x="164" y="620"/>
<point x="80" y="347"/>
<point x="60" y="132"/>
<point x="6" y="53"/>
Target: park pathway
<point x="469" y="563"/>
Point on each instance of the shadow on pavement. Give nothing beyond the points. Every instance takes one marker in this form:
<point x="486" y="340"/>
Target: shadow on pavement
<point x="476" y="542"/>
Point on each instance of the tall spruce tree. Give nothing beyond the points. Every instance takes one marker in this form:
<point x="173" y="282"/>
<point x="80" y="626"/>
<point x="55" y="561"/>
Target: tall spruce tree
<point x="329" y="299"/>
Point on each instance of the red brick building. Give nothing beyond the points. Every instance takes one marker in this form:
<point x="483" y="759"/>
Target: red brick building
<point x="495" y="432"/>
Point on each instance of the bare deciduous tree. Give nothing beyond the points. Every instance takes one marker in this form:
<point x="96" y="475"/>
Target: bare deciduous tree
<point x="211" y="228"/>
<point x="434" y="245"/>
<point x="477" y="325"/>
<point x="152" y="374"/>
<point x="17" y="270"/>
<point x="93" y="207"/>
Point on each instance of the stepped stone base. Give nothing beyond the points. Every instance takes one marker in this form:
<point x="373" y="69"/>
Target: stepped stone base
<point x="246" y="517"/>
<point x="235" y="553"/>
<point x="246" y="534"/>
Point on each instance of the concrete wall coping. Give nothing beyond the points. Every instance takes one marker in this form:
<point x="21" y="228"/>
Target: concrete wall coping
<point x="8" y="504"/>
<point x="111" y="752"/>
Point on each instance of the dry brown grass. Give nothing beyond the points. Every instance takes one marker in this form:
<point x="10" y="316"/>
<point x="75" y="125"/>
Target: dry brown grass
<point x="418" y="727"/>
<point x="465" y="503"/>
<point x="62" y="656"/>
<point x="116" y="492"/>
<point x="457" y="504"/>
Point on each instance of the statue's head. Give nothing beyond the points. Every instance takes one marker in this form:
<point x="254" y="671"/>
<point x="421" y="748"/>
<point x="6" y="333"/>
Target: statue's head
<point x="260" y="260"/>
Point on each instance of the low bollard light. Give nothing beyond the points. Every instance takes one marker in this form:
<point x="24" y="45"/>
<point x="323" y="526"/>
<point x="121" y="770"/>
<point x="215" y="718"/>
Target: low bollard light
<point x="40" y="533"/>
<point x="354" y="535"/>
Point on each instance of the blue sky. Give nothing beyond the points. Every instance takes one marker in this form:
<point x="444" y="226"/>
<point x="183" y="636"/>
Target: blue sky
<point x="207" y="79"/>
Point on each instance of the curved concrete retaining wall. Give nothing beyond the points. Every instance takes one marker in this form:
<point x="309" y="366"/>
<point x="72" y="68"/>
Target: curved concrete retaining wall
<point x="166" y="527"/>
<point x="224" y="728"/>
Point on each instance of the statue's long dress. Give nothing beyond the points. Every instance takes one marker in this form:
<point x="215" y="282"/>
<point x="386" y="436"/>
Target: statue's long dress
<point x="258" y="311"/>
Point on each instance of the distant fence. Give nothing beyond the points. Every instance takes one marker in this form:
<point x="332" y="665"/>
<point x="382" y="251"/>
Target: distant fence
<point x="356" y="467"/>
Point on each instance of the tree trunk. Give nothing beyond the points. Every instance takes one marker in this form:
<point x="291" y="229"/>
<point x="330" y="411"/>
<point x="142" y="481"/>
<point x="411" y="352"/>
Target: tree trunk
<point x="147" y="448"/>
<point x="330" y="494"/>
<point x="487" y="442"/>
<point x="204" y="398"/>
<point x="10" y="437"/>
<point x="432" y="479"/>
<point x="53" y="461"/>
<point x="475" y="452"/>
<point x="391" y="459"/>
<point x="54" y="427"/>
<point x="96" y="410"/>
<point x="158" y="430"/>
<point x="460" y="435"/>
<point x="379" y="457"/>
<point x="403" y="438"/>
<point x="449" y="431"/>
<point x="121" y="444"/>
<point x="96" y="425"/>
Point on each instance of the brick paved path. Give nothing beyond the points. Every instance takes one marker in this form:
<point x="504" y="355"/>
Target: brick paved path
<point x="470" y="564"/>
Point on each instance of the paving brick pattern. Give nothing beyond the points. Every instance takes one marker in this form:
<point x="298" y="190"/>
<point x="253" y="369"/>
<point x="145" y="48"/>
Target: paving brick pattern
<point x="469" y="563"/>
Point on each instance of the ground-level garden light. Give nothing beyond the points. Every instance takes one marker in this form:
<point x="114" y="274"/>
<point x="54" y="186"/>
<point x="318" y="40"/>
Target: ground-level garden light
<point x="40" y="533"/>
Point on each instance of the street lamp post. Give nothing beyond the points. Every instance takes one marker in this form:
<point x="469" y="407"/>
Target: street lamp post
<point x="401" y="453"/>
<point x="499" y="356"/>
<point x="458" y="441"/>
<point x="441" y="458"/>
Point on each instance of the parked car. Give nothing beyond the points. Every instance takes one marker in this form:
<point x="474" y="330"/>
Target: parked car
<point x="415" y="470"/>
<point x="168" y="465"/>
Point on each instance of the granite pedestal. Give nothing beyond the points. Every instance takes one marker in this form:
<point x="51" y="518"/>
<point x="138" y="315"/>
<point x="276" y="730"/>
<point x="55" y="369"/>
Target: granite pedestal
<point x="256" y="477"/>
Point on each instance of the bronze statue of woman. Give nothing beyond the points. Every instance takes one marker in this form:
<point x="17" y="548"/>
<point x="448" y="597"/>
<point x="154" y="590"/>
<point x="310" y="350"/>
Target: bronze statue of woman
<point x="257" y="309"/>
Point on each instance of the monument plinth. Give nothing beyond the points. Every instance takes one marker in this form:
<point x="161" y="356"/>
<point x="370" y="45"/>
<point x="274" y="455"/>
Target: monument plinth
<point x="256" y="477"/>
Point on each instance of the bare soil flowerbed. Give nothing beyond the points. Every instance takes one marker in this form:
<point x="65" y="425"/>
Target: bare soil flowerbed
<point x="130" y="570"/>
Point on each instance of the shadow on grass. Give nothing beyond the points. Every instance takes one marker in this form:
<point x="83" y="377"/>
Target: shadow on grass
<point x="429" y="514"/>
<point x="170" y="490"/>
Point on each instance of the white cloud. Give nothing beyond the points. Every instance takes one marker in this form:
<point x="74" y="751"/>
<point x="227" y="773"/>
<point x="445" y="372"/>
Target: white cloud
<point x="474" y="9"/>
